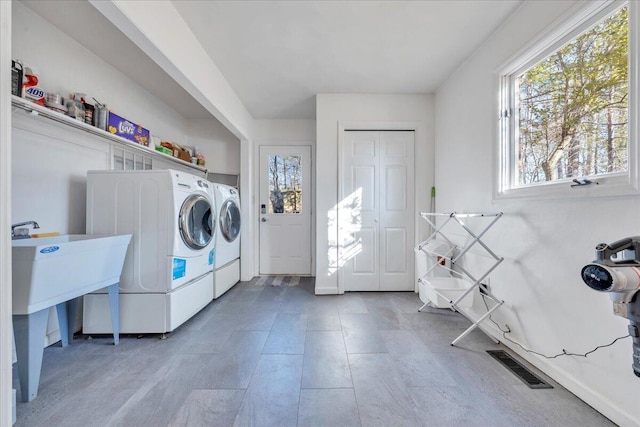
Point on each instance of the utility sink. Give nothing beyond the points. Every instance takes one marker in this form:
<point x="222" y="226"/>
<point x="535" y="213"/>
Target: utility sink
<point x="55" y="271"/>
<point x="51" y="270"/>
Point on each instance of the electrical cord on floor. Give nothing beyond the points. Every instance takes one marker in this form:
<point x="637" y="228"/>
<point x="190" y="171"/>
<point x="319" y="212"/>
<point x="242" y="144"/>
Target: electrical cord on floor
<point x="564" y="352"/>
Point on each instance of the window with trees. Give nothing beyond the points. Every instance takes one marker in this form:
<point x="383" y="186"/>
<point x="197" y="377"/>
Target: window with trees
<point x="566" y="108"/>
<point x="285" y="184"/>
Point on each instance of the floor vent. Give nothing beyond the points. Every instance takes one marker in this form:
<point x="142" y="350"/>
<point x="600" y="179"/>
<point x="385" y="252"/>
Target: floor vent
<point x="527" y="377"/>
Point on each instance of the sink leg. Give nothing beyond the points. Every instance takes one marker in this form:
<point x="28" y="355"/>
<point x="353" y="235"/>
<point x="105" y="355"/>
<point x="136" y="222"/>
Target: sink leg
<point x="114" y="308"/>
<point x="30" y="330"/>
<point x="66" y="319"/>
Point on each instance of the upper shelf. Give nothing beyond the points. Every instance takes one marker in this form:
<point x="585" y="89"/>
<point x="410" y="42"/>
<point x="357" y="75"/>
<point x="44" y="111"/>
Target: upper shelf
<point x="38" y="110"/>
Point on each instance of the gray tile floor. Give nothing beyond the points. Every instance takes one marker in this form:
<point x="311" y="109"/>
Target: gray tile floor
<point x="280" y="356"/>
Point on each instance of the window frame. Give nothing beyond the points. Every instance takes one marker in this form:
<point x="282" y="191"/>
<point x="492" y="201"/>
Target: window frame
<point x="566" y="28"/>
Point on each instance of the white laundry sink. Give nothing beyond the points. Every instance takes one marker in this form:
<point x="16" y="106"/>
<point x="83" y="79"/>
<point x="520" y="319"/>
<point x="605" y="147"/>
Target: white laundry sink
<point x="51" y="270"/>
<point x="55" y="271"/>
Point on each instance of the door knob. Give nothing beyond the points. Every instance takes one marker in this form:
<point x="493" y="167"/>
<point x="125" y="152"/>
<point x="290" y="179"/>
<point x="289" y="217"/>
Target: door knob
<point x="264" y="220"/>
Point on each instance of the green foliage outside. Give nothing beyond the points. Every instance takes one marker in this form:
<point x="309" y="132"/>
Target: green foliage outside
<point x="573" y="107"/>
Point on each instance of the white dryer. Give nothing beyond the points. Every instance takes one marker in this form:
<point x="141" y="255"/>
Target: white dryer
<point x="227" y="249"/>
<point x="167" y="274"/>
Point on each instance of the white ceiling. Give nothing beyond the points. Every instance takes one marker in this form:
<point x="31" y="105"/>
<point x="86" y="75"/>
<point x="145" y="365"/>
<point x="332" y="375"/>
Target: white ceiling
<point x="277" y="55"/>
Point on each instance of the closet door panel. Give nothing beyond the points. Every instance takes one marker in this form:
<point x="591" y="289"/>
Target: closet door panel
<point x="376" y="211"/>
<point x="397" y="212"/>
<point x="358" y="240"/>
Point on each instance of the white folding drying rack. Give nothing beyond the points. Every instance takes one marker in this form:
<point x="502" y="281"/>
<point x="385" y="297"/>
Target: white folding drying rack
<point x="477" y="282"/>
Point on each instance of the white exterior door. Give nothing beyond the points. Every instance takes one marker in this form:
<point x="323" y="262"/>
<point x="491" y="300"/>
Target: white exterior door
<point x="376" y="211"/>
<point x="285" y="210"/>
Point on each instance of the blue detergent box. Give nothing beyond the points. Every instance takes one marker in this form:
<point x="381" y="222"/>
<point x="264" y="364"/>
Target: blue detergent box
<point x="122" y="127"/>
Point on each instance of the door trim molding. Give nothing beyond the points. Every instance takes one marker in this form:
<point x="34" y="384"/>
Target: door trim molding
<point x="344" y="126"/>
<point x="248" y="242"/>
<point x="6" y="353"/>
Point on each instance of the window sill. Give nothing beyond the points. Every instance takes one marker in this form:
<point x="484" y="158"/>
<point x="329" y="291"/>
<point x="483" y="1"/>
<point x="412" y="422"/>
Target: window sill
<point x="609" y="186"/>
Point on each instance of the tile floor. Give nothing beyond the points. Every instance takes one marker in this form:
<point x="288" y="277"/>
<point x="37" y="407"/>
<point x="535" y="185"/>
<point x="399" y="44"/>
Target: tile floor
<point x="280" y="356"/>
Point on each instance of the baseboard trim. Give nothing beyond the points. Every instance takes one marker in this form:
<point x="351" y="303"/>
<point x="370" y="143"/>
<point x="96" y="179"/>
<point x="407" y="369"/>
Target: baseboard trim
<point x="326" y="291"/>
<point x="599" y="402"/>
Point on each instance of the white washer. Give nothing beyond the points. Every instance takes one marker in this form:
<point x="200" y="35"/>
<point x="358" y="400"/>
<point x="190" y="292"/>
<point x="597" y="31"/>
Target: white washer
<point x="227" y="249"/>
<point x="167" y="274"/>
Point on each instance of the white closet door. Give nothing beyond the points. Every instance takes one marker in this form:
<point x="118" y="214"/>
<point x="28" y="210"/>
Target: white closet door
<point x="375" y="214"/>
<point x="397" y="211"/>
<point x="358" y="211"/>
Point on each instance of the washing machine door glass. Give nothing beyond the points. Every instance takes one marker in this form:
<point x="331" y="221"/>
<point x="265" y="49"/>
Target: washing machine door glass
<point x="196" y="222"/>
<point x="230" y="220"/>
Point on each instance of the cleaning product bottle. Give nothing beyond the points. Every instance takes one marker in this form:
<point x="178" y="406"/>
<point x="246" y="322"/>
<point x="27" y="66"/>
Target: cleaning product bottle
<point x="87" y="109"/>
<point x="100" y="115"/>
<point x="17" y="74"/>
<point x="30" y="89"/>
<point x="75" y="106"/>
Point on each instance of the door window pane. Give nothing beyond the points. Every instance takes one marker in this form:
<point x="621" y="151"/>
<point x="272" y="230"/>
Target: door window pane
<point x="285" y="184"/>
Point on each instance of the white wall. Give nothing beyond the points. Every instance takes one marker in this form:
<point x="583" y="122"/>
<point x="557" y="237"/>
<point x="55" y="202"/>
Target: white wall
<point x="220" y="147"/>
<point x="545" y="243"/>
<point x="379" y="111"/>
<point x="276" y="132"/>
<point x="247" y="236"/>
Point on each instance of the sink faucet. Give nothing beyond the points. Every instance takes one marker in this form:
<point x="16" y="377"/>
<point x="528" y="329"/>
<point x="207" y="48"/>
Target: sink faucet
<point x="22" y="235"/>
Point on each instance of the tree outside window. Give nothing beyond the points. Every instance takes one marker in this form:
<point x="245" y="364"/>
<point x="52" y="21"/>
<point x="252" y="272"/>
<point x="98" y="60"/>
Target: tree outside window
<point x="573" y="107"/>
<point x="285" y="184"/>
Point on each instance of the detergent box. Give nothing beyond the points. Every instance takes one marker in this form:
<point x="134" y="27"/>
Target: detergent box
<point x="124" y="128"/>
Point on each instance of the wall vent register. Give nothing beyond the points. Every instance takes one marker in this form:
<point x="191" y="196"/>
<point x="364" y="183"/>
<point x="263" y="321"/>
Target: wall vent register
<point x="519" y="370"/>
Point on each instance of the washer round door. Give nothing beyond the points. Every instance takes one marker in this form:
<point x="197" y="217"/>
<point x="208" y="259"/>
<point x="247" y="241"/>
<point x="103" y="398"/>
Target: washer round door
<point x="196" y="222"/>
<point x="230" y="220"/>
